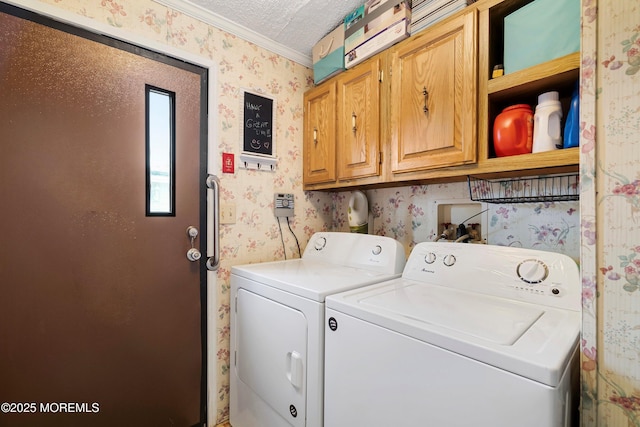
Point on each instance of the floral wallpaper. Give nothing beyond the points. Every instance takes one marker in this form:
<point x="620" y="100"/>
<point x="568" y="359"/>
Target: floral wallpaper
<point x="601" y="231"/>
<point x="609" y="203"/>
<point x="406" y="214"/>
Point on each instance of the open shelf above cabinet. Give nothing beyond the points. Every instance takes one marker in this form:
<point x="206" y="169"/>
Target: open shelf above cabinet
<point x="521" y="87"/>
<point x="559" y="72"/>
<point x="547" y="162"/>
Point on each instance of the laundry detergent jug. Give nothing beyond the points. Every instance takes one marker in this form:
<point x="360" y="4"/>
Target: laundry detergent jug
<point x="513" y="131"/>
<point x="572" y="126"/>
<point x="546" y="123"/>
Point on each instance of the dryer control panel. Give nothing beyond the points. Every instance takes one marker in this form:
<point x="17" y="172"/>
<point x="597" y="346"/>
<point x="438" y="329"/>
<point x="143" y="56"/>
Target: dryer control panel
<point x="378" y="254"/>
<point x="521" y="274"/>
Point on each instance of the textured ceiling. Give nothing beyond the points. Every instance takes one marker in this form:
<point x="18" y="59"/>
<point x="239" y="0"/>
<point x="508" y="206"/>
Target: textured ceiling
<point x="289" y="25"/>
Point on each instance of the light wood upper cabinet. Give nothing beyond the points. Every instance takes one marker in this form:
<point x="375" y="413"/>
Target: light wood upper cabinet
<point x="431" y="117"/>
<point x="342" y="129"/>
<point x="434" y="97"/>
<point x="319" y="145"/>
<point x="358" y="141"/>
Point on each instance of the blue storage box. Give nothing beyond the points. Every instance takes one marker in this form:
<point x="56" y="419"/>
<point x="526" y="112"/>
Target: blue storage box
<point x="328" y="55"/>
<point x="541" y="31"/>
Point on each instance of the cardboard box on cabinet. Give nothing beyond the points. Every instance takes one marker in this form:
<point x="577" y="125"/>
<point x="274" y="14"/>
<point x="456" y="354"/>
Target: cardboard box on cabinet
<point x="539" y="32"/>
<point x="381" y="41"/>
<point x="328" y="55"/>
<point x="373" y="27"/>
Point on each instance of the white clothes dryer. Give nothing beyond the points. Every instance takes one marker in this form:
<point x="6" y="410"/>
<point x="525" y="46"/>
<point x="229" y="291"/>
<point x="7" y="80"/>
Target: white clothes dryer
<point x="470" y="335"/>
<point x="277" y="318"/>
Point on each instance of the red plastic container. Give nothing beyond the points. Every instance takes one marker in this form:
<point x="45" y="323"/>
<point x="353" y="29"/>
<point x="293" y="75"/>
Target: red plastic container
<point x="513" y="131"/>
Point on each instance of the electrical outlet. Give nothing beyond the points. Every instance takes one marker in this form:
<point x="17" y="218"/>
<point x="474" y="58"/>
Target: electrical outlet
<point x="228" y="213"/>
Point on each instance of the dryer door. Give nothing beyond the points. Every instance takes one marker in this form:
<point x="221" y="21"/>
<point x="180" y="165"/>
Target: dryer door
<point x="271" y="356"/>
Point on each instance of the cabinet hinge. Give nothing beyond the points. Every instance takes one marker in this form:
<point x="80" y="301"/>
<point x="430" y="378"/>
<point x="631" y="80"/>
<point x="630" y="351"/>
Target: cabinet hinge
<point x="235" y="304"/>
<point x="235" y="358"/>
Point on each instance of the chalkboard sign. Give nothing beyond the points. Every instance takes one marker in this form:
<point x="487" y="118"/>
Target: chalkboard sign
<point x="258" y="124"/>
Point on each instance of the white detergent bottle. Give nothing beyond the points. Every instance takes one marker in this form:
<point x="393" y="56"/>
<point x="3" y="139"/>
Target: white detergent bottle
<point x="546" y="123"/>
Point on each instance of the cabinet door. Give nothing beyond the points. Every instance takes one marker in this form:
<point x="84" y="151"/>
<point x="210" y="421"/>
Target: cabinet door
<point x="358" y="147"/>
<point x="433" y="97"/>
<point x="319" y="155"/>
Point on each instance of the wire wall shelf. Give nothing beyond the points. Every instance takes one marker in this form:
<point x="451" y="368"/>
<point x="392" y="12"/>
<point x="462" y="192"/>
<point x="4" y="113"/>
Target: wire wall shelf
<point x="556" y="188"/>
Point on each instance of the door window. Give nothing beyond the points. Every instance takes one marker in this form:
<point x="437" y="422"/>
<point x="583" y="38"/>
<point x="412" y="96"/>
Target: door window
<point x="160" y="152"/>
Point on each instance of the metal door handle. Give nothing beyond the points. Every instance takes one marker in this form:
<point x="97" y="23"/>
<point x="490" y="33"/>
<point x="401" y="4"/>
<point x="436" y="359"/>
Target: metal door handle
<point x="213" y="206"/>
<point x="193" y="255"/>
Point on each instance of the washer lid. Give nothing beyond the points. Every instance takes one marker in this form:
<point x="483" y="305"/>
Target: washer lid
<point x="529" y="340"/>
<point x="496" y="320"/>
<point x="310" y="278"/>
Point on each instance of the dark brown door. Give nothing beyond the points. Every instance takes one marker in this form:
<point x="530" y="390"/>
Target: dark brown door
<point x="100" y="310"/>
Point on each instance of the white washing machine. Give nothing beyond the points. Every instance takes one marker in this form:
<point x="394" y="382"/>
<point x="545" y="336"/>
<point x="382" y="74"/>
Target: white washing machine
<point x="277" y="318"/>
<point x="470" y="335"/>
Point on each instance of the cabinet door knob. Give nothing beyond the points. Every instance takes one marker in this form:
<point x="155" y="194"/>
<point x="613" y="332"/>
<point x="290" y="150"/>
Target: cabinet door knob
<point x="353" y="122"/>
<point x="315" y="135"/>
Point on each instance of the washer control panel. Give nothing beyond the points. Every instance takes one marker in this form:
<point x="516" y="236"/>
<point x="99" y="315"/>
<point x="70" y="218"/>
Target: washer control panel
<point x="516" y="273"/>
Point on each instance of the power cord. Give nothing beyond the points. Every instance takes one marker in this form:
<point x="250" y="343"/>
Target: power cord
<point x="294" y="235"/>
<point x="284" y="249"/>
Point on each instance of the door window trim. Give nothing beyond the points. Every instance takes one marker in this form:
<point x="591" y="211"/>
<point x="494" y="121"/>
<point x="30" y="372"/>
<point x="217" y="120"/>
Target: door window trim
<point x="160" y="149"/>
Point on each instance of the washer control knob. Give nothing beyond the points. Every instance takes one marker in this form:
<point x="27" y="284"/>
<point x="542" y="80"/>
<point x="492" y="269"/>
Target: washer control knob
<point x="449" y="260"/>
<point x="320" y="243"/>
<point x="377" y="250"/>
<point x="532" y="271"/>
<point x="430" y="258"/>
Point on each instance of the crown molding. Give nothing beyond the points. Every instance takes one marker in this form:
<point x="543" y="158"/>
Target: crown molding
<point x="208" y="17"/>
